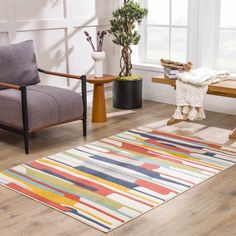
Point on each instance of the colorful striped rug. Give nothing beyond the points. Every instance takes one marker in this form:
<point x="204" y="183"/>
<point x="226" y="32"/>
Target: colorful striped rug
<point x="109" y="182"/>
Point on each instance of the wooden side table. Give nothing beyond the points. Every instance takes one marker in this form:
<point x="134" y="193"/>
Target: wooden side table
<point x="99" y="106"/>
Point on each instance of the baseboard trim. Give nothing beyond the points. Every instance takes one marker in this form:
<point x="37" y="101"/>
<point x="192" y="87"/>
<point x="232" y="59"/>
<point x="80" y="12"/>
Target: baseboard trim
<point x="212" y="103"/>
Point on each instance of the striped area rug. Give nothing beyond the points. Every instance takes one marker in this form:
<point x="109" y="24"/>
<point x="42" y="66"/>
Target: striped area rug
<point x="110" y="182"/>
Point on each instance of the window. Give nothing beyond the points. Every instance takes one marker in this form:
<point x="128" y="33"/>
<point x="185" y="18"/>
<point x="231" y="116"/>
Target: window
<point x="226" y="34"/>
<point x="200" y="31"/>
<point x="165" y="30"/>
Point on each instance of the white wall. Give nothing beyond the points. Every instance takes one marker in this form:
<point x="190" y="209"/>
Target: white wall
<point x="57" y="27"/>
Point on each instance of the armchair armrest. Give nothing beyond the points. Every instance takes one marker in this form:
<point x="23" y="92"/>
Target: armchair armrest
<point x="10" y="86"/>
<point x="83" y="90"/>
<point x="60" y="74"/>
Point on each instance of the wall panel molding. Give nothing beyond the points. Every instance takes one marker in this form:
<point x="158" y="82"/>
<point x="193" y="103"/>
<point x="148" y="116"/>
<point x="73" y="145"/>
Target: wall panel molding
<point x="4" y="27"/>
<point x="57" y="26"/>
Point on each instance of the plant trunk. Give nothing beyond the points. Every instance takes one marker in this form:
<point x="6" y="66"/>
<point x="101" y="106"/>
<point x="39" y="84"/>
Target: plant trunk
<point x="125" y="61"/>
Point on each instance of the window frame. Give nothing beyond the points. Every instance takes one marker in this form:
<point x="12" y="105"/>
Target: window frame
<point x="143" y="30"/>
<point x="218" y="29"/>
<point x="203" y="33"/>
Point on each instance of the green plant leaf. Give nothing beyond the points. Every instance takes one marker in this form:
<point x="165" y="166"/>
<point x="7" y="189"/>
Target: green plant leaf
<point x="123" y="26"/>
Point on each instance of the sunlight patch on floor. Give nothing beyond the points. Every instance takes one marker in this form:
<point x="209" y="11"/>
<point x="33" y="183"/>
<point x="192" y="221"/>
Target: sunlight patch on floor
<point x="218" y="135"/>
<point x="198" y="131"/>
<point x="157" y="124"/>
<point x="180" y="127"/>
<point x="120" y="113"/>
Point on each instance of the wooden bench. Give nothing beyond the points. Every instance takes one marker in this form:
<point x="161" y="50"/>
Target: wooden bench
<point x="225" y="89"/>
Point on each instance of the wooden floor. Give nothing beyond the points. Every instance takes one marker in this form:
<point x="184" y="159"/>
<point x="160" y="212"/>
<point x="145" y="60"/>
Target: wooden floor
<point x="208" y="209"/>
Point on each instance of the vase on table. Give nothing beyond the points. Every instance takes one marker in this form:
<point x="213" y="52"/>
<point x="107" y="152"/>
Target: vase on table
<point x="98" y="58"/>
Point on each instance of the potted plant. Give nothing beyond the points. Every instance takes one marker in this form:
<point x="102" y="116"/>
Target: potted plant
<point x="127" y="88"/>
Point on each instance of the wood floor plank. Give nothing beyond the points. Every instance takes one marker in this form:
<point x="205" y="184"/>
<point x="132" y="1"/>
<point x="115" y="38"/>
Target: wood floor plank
<point x="207" y="209"/>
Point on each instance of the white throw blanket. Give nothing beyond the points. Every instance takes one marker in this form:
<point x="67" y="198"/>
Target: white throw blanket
<point x="191" y="88"/>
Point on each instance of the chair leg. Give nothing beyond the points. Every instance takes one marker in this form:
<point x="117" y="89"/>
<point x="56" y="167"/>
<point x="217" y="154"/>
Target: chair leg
<point x="85" y="127"/>
<point x="25" y="118"/>
<point x="26" y="141"/>
<point x="84" y="96"/>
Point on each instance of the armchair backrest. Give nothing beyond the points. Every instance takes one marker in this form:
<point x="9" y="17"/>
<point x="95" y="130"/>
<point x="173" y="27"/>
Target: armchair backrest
<point x="18" y="64"/>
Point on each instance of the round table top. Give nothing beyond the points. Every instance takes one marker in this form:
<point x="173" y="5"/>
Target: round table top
<point x="100" y="80"/>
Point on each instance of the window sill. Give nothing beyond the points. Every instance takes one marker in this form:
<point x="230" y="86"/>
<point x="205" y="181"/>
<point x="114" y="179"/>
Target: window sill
<point x="159" y="68"/>
<point x="148" y="67"/>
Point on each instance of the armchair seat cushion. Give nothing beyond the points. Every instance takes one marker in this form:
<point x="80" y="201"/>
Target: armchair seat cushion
<point x="47" y="106"/>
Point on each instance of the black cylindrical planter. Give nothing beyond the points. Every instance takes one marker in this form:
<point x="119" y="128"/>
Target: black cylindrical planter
<point x="127" y="94"/>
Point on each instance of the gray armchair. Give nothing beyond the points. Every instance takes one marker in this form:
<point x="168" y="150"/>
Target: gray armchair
<point x="25" y="105"/>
